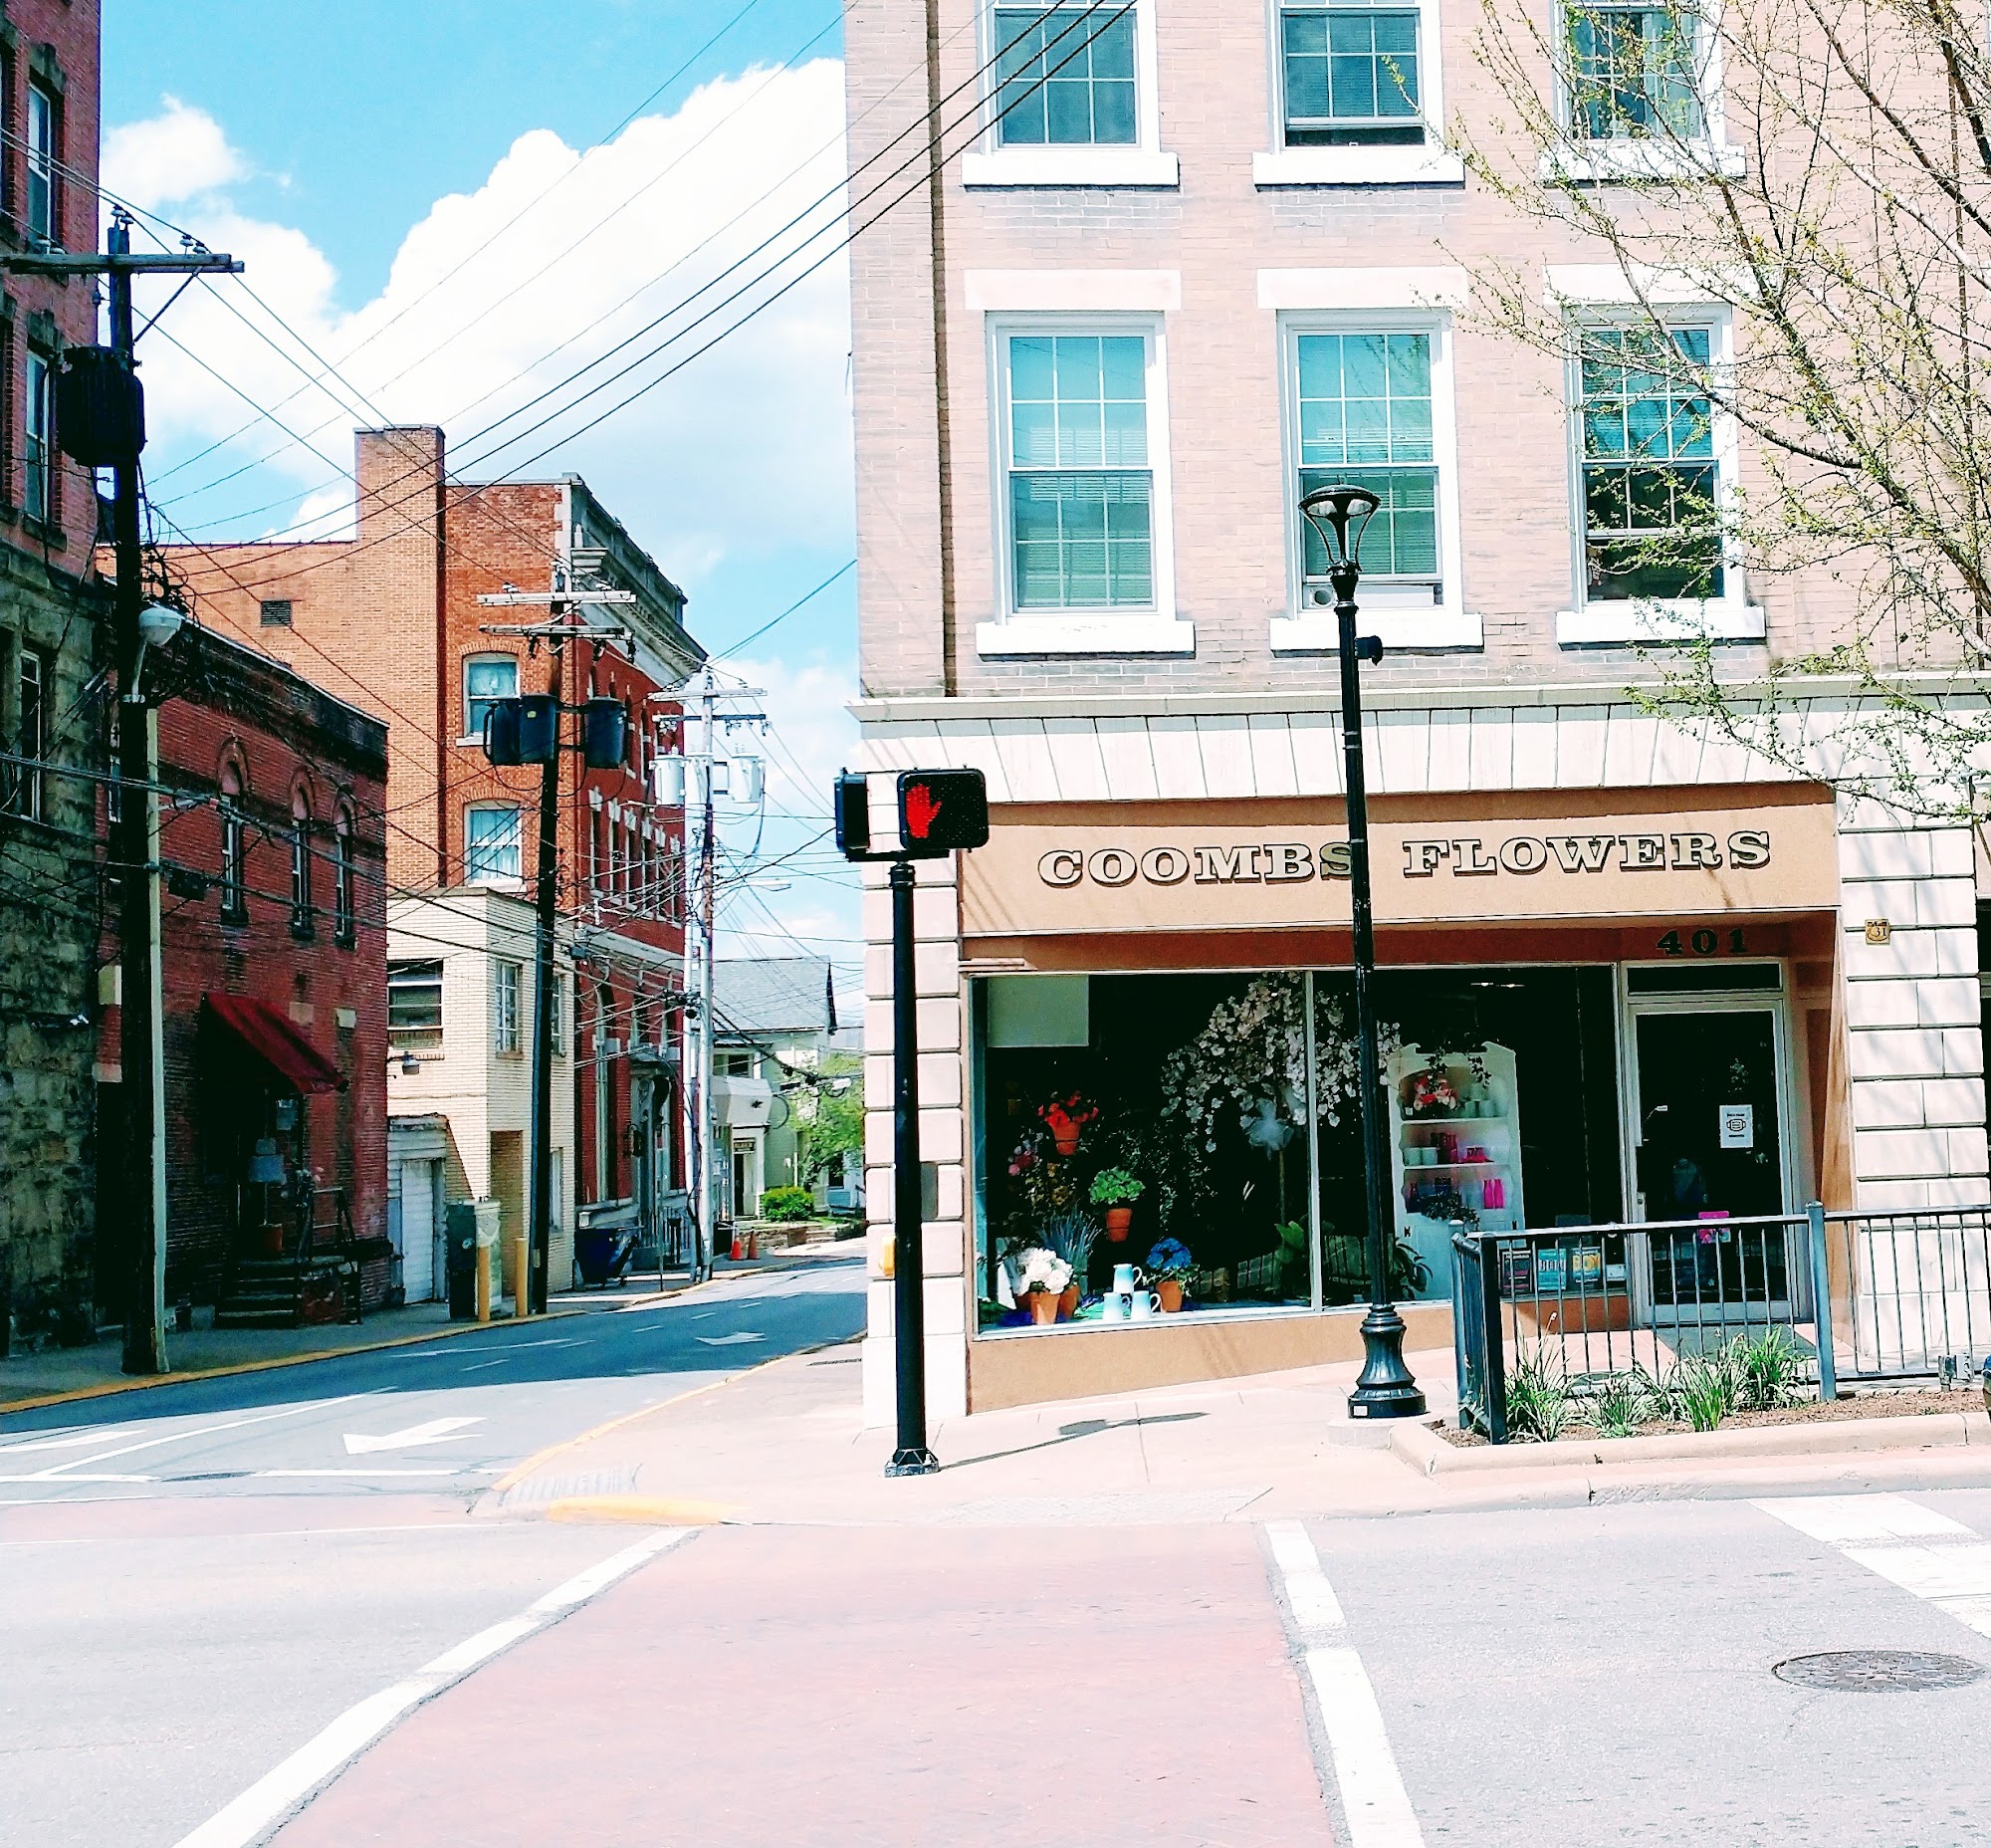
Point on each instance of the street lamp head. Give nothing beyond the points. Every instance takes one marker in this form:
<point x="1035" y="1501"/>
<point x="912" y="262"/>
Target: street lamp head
<point x="1340" y="515"/>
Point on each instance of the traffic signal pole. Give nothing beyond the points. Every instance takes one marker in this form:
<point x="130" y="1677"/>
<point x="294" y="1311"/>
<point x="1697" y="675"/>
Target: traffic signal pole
<point x="908" y="1318"/>
<point x="532" y="1295"/>
<point x="939" y="812"/>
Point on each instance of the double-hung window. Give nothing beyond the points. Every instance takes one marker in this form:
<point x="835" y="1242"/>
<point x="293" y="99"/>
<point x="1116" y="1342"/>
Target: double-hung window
<point x="1350" y="74"/>
<point x="505" y="984"/>
<point x="1368" y="401"/>
<point x="1651" y="478"/>
<point x="1066" y="76"/>
<point x="37" y="440"/>
<point x="492" y="846"/>
<point x="31" y="736"/>
<point x="303" y="921"/>
<point x="44" y="182"/>
<point x="344" y="910"/>
<point x="1363" y="411"/>
<point x="1634" y="73"/>
<point x="1083" y="490"/>
<point x="487" y="678"/>
<point x="1071" y="98"/>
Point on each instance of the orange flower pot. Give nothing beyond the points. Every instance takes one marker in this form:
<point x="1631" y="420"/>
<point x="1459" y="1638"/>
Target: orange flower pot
<point x="1043" y="1307"/>
<point x="1066" y="1145"/>
<point x="1170" y="1292"/>
<point x="1119" y="1220"/>
<point x="1068" y="1304"/>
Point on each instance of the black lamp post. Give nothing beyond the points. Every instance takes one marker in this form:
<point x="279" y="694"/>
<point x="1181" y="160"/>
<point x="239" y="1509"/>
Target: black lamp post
<point x="1385" y="1388"/>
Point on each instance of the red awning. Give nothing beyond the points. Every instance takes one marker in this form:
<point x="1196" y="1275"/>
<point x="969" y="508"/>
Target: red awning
<point x="276" y="1040"/>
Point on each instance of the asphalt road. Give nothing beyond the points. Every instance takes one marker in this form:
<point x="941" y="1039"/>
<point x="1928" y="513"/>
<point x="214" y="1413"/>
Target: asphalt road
<point x="444" y="1417"/>
<point x="197" y="1578"/>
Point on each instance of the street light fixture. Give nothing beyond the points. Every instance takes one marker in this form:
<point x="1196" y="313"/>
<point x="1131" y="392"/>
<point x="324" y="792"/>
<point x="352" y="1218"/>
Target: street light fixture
<point x="1387" y="1389"/>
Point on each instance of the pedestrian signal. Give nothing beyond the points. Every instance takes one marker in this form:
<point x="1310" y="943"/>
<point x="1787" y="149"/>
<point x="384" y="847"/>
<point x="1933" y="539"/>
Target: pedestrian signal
<point x="941" y="812"/>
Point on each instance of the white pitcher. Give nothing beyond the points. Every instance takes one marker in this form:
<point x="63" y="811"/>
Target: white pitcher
<point x="1125" y="1279"/>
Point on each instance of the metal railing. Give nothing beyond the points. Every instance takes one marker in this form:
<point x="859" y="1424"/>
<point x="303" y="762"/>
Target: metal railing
<point x="1861" y="1299"/>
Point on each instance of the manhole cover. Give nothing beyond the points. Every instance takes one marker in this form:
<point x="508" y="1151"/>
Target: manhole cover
<point x="1879" y="1671"/>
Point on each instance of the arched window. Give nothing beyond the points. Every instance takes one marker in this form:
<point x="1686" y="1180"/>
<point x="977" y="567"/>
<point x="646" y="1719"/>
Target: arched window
<point x="301" y="863"/>
<point x="234" y="899"/>
<point x="343" y="911"/>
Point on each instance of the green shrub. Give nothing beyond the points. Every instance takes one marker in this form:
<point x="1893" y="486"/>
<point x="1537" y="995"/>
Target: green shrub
<point x="1621" y="1405"/>
<point x="1538" y="1407"/>
<point x="1703" y="1389"/>
<point x="1770" y="1370"/>
<point x="788" y="1203"/>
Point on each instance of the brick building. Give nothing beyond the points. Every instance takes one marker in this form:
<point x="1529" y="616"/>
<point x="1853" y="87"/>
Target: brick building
<point x="274" y="950"/>
<point x="1180" y="278"/>
<point x="389" y="619"/>
<point x="52" y="640"/>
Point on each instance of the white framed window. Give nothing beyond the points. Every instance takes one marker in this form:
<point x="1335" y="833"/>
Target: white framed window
<point x="234" y="846"/>
<point x="29" y="792"/>
<point x="1070" y="97"/>
<point x="556" y="1013"/>
<point x="303" y="912"/>
<point x="487" y="678"/>
<point x="1652" y="461"/>
<point x="1368" y="401"/>
<point x="1357" y="95"/>
<point x="1640" y="92"/>
<point x="344" y="910"/>
<point x="1082" y="488"/>
<point x="44" y="179"/>
<point x="507" y="979"/>
<point x="492" y="846"/>
<point x="37" y="444"/>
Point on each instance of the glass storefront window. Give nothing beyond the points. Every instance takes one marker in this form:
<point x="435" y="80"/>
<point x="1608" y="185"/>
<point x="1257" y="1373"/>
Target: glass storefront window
<point x="1159" y="1122"/>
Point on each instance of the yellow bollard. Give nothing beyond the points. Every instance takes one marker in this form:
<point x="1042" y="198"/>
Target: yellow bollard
<point x="483" y="1281"/>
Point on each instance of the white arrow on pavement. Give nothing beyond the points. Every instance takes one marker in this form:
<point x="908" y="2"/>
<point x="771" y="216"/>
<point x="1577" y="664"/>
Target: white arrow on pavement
<point x="436" y="1431"/>
<point x="730" y="1340"/>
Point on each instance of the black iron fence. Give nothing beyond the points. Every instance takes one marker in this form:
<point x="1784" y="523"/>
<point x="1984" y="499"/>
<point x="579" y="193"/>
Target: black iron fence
<point x="1798" y="1303"/>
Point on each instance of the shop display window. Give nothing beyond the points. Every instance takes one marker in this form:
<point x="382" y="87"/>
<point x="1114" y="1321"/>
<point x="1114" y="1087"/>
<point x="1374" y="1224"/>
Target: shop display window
<point x="1141" y="1145"/>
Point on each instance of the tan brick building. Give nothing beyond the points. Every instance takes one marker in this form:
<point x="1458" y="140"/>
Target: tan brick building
<point x="1216" y="260"/>
<point x="390" y="620"/>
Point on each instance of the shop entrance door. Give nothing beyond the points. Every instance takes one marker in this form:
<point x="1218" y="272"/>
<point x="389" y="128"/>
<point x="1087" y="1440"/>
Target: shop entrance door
<point x="1708" y="1085"/>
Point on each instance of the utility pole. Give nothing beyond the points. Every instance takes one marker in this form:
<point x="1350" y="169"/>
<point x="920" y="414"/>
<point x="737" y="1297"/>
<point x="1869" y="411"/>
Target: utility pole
<point x="134" y="836"/>
<point x="699" y="698"/>
<point x="532" y="1291"/>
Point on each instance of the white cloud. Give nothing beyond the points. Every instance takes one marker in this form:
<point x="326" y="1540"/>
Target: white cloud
<point x="498" y="295"/>
<point x="180" y="153"/>
<point x="744" y="452"/>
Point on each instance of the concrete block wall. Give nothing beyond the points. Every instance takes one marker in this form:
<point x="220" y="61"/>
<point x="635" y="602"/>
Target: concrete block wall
<point x="943" y="1141"/>
<point x="1914" y="1046"/>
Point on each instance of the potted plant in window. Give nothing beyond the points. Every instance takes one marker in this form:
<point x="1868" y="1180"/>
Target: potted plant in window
<point x="1042" y="1277"/>
<point x="1072" y="1236"/>
<point x="1064" y="1117"/>
<point x="1116" y="1190"/>
<point x="1168" y="1267"/>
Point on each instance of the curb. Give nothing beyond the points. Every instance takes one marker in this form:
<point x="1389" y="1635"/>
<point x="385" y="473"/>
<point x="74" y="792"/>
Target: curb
<point x="645" y="1511"/>
<point x="1419" y="1444"/>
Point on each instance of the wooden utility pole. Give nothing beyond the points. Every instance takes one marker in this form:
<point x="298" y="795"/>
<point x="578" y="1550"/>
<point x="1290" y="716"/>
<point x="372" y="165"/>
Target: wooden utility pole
<point x="134" y="833"/>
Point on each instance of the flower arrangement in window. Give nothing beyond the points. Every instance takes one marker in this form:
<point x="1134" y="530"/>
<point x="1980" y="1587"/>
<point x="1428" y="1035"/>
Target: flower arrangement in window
<point x="1041" y="1279"/>
<point x="1169" y="1267"/>
<point x="1064" y="1117"/>
<point x="1432" y="1094"/>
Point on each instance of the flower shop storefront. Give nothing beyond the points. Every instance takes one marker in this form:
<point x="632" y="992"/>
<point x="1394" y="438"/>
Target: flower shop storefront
<point x="1165" y="1162"/>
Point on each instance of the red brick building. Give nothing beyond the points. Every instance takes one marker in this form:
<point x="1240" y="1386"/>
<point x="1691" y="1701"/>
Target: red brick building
<point x="274" y="950"/>
<point x="389" y="619"/>
<point x="51" y="730"/>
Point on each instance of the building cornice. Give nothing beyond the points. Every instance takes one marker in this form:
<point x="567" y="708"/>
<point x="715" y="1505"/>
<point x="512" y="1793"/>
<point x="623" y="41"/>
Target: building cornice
<point x="933" y="709"/>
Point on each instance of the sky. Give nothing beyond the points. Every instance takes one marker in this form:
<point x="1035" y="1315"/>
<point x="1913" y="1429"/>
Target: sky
<point x="462" y="203"/>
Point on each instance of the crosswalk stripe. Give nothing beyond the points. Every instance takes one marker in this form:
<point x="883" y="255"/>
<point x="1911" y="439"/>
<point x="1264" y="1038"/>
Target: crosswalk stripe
<point x="1939" y="1559"/>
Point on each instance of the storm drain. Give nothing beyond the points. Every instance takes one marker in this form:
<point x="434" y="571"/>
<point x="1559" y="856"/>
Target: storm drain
<point x="1879" y="1671"/>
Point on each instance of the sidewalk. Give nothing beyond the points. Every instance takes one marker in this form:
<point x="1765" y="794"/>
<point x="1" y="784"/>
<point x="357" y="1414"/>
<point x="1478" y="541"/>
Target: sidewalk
<point x="784" y="1444"/>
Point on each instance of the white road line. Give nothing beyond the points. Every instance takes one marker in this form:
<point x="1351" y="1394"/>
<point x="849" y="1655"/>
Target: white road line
<point x="59" y="1480"/>
<point x="60" y="1472"/>
<point x="76" y="1440"/>
<point x="367" y="1475"/>
<point x="1373" y="1797"/>
<point x="272" y="1797"/>
<point x="1927" y="1553"/>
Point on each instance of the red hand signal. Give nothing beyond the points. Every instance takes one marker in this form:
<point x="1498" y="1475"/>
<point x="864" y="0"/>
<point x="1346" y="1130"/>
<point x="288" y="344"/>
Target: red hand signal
<point x="920" y="809"/>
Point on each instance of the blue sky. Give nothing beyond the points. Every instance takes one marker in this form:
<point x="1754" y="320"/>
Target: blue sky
<point x="369" y="161"/>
